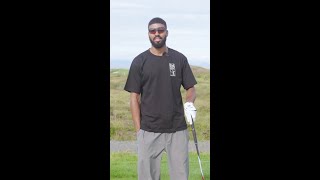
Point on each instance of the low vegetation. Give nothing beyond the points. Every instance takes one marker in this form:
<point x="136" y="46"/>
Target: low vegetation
<point x="121" y="125"/>
<point x="124" y="166"/>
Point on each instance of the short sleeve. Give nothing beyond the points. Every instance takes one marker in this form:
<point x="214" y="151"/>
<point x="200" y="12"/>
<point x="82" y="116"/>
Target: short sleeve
<point x="133" y="83"/>
<point x="188" y="79"/>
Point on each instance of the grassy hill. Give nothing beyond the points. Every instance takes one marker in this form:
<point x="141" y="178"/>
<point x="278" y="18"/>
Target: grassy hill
<point x="121" y="125"/>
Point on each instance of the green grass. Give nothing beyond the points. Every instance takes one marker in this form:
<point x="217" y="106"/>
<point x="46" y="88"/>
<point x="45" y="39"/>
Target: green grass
<point x="123" y="166"/>
<point x="121" y="125"/>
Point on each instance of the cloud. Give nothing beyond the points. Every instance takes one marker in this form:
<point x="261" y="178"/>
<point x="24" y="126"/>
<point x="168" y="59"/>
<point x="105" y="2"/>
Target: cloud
<point x="126" y="5"/>
<point x="188" y="23"/>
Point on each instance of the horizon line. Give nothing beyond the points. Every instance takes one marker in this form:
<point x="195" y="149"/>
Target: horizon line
<point x="190" y="65"/>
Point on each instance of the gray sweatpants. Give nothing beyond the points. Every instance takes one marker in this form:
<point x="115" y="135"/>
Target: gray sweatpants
<point x="150" y="148"/>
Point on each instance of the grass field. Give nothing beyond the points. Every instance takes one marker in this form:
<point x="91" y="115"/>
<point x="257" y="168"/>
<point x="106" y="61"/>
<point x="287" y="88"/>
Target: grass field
<point x="121" y="125"/>
<point x="123" y="166"/>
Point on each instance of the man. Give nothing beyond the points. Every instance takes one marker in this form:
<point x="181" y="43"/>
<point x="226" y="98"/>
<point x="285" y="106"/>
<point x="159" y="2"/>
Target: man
<point x="154" y="82"/>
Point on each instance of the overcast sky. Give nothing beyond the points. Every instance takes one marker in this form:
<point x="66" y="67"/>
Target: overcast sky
<point x="188" y="23"/>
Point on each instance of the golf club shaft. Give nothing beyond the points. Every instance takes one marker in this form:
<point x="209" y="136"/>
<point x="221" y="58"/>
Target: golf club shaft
<point x="196" y="143"/>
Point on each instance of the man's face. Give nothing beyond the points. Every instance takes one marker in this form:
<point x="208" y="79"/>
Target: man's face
<point x="158" y="35"/>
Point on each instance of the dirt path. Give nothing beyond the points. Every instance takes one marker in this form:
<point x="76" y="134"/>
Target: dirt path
<point x="130" y="146"/>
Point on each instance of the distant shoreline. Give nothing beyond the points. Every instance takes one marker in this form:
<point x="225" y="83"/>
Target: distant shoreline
<point x="127" y="68"/>
<point x="125" y="64"/>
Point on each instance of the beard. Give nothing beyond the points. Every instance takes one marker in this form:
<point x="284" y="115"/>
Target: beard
<point x="159" y="44"/>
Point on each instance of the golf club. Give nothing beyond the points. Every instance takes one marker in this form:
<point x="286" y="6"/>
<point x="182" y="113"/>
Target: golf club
<point x="196" y="143"/>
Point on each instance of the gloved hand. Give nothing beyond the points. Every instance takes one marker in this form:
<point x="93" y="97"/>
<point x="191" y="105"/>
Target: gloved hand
<point x="190" y="111"/>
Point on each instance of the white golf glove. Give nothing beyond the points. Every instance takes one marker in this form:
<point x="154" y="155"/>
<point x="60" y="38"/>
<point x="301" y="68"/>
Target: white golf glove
<point x="190" y="111"/>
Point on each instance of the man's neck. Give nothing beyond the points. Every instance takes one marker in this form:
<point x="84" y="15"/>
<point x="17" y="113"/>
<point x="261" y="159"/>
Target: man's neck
<point x="159" y="51"/>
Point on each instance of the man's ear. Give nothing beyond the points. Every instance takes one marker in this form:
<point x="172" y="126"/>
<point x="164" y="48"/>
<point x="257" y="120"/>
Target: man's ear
<point x="167" y="33"/>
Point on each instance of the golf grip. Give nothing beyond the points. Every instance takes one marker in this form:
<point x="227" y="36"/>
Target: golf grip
<point x="196" y="143"/>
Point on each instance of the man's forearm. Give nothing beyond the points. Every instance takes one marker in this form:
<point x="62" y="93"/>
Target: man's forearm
<point x="135" y="110"/>
<point x="191" y="95"/>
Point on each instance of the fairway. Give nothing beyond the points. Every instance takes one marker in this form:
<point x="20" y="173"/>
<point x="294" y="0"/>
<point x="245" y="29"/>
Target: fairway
<point x="123" y="166"/>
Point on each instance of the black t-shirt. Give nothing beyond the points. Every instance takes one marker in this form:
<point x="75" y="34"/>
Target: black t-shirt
<point x="158" y="79"/>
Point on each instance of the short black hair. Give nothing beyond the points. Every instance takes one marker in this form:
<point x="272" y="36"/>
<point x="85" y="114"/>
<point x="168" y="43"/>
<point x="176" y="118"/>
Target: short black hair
<point x="157" y="20"/>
